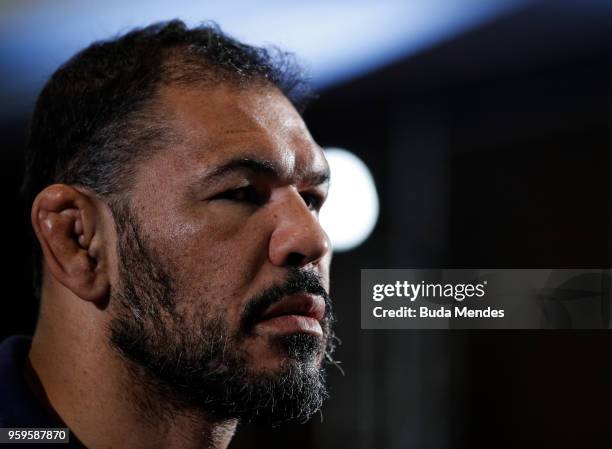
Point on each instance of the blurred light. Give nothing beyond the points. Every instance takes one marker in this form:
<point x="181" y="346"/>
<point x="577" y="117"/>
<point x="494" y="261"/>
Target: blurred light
<point x="351" y="210"/>
<point x="335" y="40"/>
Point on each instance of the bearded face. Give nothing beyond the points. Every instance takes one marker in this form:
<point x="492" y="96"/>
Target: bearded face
<point x="221" y="299"/>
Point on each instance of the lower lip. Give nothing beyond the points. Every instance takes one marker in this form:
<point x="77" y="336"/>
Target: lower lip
<point x="288" y="324"/>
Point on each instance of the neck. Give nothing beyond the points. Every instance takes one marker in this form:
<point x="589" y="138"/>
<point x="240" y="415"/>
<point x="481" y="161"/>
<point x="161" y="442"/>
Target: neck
<point x="92" y="390"/>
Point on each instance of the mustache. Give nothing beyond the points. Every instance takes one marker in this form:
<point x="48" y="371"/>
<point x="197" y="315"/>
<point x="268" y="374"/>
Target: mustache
<point x="298" y="281"/>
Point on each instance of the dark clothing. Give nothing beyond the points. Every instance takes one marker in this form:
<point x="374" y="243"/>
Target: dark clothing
<point x="18" y="405"/>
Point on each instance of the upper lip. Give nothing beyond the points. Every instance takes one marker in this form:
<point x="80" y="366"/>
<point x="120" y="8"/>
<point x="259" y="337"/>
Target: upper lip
<point x="297" y="304"/>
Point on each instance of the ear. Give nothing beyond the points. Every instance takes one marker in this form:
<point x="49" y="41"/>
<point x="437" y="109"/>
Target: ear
<point x="68" y="227"/>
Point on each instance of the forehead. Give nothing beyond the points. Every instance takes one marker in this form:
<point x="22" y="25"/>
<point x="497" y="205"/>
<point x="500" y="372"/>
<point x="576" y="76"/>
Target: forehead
<point x="214" y="124"/>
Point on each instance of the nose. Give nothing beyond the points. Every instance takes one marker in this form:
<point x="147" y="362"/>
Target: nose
<point x="297" y="239"/>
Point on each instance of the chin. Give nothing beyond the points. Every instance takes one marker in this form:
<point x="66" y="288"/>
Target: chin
<point x="280" y="352"/>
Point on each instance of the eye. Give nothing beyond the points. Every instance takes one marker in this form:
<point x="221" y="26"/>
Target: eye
<point x="314" y="201"/>
<point x="246" y="194"/>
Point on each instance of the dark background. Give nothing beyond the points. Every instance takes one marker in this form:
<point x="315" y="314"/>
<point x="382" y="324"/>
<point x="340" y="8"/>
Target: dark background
<point x="490" y="150"/>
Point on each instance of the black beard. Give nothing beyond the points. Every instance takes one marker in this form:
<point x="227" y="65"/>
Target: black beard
<point x="202" y="366"/>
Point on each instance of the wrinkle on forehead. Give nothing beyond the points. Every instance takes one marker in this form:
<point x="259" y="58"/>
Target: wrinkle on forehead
<point x="225" y="109"/>
<point x="212" y="121"/>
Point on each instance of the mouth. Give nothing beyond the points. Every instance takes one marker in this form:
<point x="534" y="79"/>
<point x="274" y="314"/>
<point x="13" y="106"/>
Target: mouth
<point x="295" y="313"/>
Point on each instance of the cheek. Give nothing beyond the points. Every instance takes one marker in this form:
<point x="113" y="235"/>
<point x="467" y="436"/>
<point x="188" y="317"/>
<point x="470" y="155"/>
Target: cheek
<point x="223" y="244"/>
<point x="215" y="261"/>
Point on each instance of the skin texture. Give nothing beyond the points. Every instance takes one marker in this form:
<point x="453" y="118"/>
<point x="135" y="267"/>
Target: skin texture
<point x="226" y="245"/>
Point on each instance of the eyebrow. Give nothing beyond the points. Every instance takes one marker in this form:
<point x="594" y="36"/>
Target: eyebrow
<point x="260" y="166"/>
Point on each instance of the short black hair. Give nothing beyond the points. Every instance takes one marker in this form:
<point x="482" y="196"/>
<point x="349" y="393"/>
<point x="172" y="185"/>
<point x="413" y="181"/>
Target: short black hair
<point x="91" y="123"/>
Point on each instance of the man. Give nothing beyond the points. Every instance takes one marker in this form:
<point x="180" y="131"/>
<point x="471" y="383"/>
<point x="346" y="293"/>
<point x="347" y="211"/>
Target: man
<point x="181" y="267"/>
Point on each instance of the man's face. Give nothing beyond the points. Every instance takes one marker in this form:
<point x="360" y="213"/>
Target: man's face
<point x="221" y="290"/>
